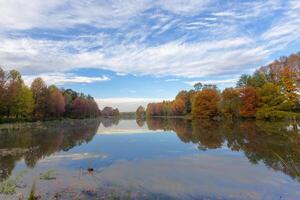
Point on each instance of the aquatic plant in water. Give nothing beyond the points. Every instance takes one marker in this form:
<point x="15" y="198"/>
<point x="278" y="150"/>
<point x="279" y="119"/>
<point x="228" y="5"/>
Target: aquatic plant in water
<point x="48" y="175"/>
<point x="9" y="186"/>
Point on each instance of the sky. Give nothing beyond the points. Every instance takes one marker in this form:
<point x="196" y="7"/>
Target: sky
<point x="127" y="53"/>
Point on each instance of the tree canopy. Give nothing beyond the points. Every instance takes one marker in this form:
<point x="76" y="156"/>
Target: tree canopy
<point x="271" y="92"/>
<point x="39" y="102"/>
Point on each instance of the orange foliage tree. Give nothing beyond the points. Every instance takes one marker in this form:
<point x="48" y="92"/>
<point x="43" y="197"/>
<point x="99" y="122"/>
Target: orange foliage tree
<point x="250" y="102"/>
<point x="291" y="85"/>
<point x="181" y="104"/>
<point x="178" y="107"/>
<point x="56" y="106"/>
<point x="205" y="104"/>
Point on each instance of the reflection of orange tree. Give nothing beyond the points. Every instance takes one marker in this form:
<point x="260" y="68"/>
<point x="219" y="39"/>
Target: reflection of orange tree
<point x="37" y="141"/>
<point x="207" y="133"/>
<point x="276" y="144"/>
<point x="157" y="124"/>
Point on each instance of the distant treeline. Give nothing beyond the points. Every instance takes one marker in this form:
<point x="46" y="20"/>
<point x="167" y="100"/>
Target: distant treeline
<point x="271" y="92"/>
<point x="41" y="102"/>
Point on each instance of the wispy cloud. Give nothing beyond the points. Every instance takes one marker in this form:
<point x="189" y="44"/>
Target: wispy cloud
<point x="181" y="38"/>
<point x="69" y="13"/>
<point x="287" y="29"/>
<point x="172" y="80"/>
<point x="63" y="78"/>
<point x="231" y="81"/>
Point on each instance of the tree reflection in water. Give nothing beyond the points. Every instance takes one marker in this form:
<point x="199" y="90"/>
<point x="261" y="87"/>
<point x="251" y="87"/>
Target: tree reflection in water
<point x="35" y="141"/>
<point x="276" y="144"/>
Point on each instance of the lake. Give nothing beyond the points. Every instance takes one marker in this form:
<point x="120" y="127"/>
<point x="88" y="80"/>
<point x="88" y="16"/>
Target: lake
<point x="152" y="159"/>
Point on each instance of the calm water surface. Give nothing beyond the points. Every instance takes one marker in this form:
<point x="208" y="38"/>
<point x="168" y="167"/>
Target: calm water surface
<point x="153" y="159"/>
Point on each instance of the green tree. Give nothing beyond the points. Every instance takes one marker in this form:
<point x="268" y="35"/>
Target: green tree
<point x="3" y="92"/>
<point x="271" y="96"/>
<point x="14" y="88"/>
<point x="243" y="81"/>
<point x="25" y="103"/>
<point x="198" y="86"/>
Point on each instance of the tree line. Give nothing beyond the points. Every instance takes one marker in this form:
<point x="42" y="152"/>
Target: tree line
<point x="40" y="102"/>
<point x="271" y="92"/>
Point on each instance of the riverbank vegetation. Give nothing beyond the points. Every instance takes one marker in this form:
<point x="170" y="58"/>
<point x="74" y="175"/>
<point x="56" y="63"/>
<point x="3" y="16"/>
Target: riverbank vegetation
<point x="18" y="102"/>
<point x="272" y="92"/>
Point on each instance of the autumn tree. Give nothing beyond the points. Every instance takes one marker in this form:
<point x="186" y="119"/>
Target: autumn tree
<point x="83" y="108"/>
<point x="79" y="108"/>
<point x="181" y="103"/>
<point x="230" y="103"/>
<point x="56" y="102"/>
<point x="3" y="92"/>
<point x="159" y="109"/>
<point x="69" y="95"/>
<point x="167" y="108"/>
<point x="191" y="94"/>
<point x="93" y="108"/>
<point x="40" y="101"/>
<point x="291" y="85"/>
<point x="110" y="112"/>
<point x="205" y="104"/>
<point x="14" y="88"/>
<point x="150" y="110"/>
<point x="178" y="107"/>
<point x="249" y="102"/>
<point x="155" y="109"/>
<point x="140" y="112"/>
<point x="15" y="97"/>
<point x="41" y="97"/>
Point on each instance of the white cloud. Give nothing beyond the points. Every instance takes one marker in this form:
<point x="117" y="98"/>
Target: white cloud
<point x="224" y="14"/>
<point x="223" y="41"/>
<point x="287" y="29"/>
<point x="231" y="81"/>
<point x="184" y="6"/>
<point x="172" y="80"/>
<point x="173" y="58"/>
<point x="121" y="74"/>
<point x="70" y="13"/>
<point x="63" y="78"/>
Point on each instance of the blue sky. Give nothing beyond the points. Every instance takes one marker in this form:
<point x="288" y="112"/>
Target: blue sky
<point x="126" y="53"/>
